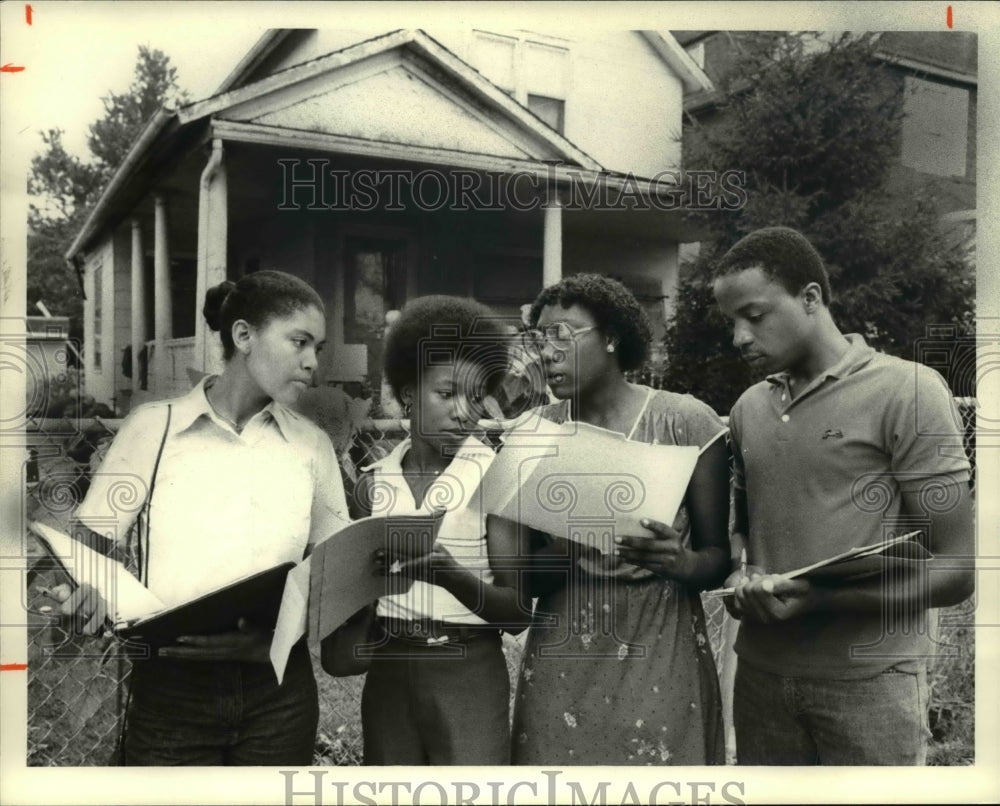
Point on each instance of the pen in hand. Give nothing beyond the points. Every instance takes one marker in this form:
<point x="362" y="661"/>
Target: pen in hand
<point x="743" y="565"/>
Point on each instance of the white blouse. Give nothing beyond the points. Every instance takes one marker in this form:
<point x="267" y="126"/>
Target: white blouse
<point x="224" y="505"/>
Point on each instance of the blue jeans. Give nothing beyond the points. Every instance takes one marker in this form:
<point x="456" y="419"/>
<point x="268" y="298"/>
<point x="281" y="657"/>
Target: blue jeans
<point x="880" y="720"/>
<point x="224" y="713"/>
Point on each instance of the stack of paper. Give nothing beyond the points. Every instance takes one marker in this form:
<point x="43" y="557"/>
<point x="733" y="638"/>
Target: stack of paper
<point x="586" y="483"/>
<point x="126" y="596"/>
<point x="892" y="554"/>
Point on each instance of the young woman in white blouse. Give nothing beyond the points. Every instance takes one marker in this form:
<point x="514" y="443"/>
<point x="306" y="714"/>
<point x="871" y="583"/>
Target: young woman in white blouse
<point x="232" y="481"/>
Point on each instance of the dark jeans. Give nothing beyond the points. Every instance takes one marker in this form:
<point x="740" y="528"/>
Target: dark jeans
<point x="221" y="713"/>
<point x="437" y="704"/>
<point x="879" y="720"/>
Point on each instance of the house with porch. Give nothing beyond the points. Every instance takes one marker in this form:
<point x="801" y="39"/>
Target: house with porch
<point x="379" y="166"/>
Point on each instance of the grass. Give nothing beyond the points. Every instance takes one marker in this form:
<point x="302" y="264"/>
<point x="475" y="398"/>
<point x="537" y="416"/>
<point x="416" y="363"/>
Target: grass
<point x="952" y="680"/>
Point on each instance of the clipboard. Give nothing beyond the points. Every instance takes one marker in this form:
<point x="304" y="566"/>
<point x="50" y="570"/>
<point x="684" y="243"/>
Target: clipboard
<point x="894" y="555"/>
<point x="256" y="597"/>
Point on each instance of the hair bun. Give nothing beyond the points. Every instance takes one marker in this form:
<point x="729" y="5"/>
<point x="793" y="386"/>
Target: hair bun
<point x="214" y="298"/>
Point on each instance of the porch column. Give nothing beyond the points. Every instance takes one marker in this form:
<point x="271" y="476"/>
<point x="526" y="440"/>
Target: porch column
<point x="552" y="241"/>
<point x="138" y="303"/>
<point x="163" y="304"/>
<point x="212" y="235"/>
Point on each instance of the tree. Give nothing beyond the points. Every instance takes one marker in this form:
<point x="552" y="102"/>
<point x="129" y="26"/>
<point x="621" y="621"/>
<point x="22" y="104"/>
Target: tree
<point x="815" y="127"/>
<point x="63" y="188"/>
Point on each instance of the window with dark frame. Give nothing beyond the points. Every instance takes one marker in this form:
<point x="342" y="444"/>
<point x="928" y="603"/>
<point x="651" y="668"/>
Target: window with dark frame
<point x="551" y="110"/>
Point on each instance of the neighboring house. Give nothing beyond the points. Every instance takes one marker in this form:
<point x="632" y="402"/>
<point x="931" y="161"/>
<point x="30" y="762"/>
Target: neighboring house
<point x="47" y="360"/>
<point x="936" y="74"/>
<point x="383" y="166"/>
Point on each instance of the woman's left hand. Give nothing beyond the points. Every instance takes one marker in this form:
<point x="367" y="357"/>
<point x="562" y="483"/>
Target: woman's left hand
<point x="245" y="643"/>
<point x="662" y="552"/>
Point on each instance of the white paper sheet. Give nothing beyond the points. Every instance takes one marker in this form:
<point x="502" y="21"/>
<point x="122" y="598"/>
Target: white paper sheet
<point x="291" y="624"/>
<point x="126" y="596"/>
<point x="585" y="483"/>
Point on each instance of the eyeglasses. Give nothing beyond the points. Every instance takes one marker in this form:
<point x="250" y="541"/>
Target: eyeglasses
<point x="559" y="335"/>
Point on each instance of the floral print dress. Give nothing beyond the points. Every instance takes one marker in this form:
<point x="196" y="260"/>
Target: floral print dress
<point x="617" y="665"/>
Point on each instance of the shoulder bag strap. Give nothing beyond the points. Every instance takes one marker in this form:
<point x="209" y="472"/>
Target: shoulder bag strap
<point x="142" y="552"/>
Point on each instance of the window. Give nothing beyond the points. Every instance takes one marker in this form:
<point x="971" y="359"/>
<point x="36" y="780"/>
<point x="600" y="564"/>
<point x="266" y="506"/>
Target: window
<point x="550" y="110"/>
<point x="183" y="306"/>
<point x="935" y="127"/>
<point x="535" y="73"/>
<point x="374" y="284"/>
<point x="494" y="57"/>
<point x="98" y="315"/>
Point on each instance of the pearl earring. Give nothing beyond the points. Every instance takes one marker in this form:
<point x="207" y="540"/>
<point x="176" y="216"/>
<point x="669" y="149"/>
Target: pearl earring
<point x="611" y="348"/>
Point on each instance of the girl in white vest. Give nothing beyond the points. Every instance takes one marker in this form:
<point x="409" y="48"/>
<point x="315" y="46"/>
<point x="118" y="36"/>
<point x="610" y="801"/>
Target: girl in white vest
<point x="438" y="689"/>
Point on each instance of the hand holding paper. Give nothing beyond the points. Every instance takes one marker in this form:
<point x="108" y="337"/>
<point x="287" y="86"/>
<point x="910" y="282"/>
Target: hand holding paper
<point x="663" y="552"/>
<point x="86" y="605"/>
<point x="897" y="552"/>
<point x="773" y="597"/>
<point x="105" y="588"/>
<point x="585" y="483"/>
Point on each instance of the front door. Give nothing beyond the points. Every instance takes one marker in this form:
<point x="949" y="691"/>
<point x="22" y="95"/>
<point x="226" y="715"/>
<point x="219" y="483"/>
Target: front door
<point x="374" y="284"/>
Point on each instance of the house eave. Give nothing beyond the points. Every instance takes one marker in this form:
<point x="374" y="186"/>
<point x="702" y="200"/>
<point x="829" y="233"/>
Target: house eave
<point x="679" y="60"/>
<point x="927" y="68"/>
<point x="425" y="46"/>
<point x="560" y="173"/>
<point x="261" y="49"/>
<point x="156" y="126"/>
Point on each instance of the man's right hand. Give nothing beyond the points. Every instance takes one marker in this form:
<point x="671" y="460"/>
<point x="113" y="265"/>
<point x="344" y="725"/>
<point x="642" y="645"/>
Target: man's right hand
<point x="85" y="605"/>
<point x="738" y="579"/>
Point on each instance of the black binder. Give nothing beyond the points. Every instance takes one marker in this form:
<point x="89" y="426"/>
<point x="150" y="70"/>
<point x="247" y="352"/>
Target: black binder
<point x="256" y="597"/>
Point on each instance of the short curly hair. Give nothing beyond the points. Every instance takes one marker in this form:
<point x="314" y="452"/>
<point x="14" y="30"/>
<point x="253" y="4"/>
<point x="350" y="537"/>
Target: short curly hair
<point x="783" y="254"/>
<point x="446" y="328"/>
<point x="615" y="309"/>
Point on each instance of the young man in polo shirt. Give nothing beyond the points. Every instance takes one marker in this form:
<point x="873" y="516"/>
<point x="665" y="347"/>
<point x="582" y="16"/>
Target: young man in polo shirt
<point x="841" y="446"/>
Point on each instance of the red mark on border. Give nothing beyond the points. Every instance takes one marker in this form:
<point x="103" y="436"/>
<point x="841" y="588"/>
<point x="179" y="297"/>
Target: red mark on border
<point x="13" y="667"/>
<point x="27" y="14"/>
<point x="948" y="20"/>
<point x="11" y="68"/>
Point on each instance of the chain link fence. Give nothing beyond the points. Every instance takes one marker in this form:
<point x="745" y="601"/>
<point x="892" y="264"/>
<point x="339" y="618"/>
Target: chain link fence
<point x="77" y="685"/>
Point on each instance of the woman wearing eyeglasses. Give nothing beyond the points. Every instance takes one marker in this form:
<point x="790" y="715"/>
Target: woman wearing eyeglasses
<point x="617" y="666"/>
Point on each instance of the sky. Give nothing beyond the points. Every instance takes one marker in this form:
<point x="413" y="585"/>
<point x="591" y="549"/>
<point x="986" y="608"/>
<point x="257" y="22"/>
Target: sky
<point x="74" y="53"/>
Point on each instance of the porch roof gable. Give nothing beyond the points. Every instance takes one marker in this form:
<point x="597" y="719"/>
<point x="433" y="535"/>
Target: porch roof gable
<point x="475" y="116"/>
<point x="402" y="87"/>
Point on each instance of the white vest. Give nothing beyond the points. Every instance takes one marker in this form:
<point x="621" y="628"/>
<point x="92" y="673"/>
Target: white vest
<point x="462" y="532"/>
